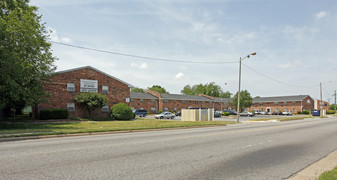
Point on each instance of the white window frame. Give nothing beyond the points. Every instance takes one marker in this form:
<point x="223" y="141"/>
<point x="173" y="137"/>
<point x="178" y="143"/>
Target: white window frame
<point x="105" y="89"/>
<point x="71" y="87"/>
<point x="71" y="107"/>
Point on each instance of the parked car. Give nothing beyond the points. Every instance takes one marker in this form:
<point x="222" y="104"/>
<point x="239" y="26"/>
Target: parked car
<point x="140" y="112"/>
<point x="258" y="112"/>
<point x="247" y="113"/>
<point x="217" y="114"/>
<point x="178" y="113"/>
<point x="287" y="113"/>
<point x="263" y="113"/>
<point x="165" y="115"/>
<point x="277" y="113"/>
<point x="231" y="112"/>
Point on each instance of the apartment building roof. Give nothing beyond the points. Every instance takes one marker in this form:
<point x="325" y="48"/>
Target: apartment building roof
<point x="140" y="95"/>
<point x="280" y="98"/>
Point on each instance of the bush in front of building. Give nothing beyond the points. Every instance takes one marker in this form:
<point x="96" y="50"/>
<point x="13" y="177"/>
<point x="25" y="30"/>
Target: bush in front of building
<point x="122" y="111"/>
<point x="226" y="113"/>
<point x="299" y="112"/>
<point x="91" y="101"/>
<point x="330" y="112"/>
<point x="54" y="114"/>
<point x="305" y="112"/>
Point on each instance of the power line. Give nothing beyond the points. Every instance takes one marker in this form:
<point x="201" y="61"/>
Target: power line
<point x="143" y="57"/>
<point x="277" y="80"/>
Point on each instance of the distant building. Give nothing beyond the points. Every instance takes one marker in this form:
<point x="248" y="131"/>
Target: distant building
<point x="325" y="105"/>
<point x="283" y="103"/>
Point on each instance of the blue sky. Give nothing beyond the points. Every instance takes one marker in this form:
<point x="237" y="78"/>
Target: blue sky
<point x="295" y="41"/>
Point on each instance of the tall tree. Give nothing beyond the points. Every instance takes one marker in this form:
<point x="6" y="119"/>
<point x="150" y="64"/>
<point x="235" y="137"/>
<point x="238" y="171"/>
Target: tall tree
<point x="159" y="89"/>
<point x="210" y="89"/>
<point x="187" y="90"/>
<point x="137" y="90"/>
<point x="25" y="56"/>
<point x="246" y="100"/>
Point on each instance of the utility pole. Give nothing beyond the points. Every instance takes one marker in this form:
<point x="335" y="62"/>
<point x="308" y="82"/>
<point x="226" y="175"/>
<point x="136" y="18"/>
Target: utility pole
<point x="321" y="106"/>
<point x="335" y="99"/>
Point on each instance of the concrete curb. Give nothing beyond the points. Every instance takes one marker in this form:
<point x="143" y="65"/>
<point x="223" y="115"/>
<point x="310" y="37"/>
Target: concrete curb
<point x="313" y="171"/>
<point x="8" y="139"/>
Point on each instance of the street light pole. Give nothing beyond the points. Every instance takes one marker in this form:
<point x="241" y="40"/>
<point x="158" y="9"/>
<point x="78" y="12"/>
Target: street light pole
<point x="239" y="92"/>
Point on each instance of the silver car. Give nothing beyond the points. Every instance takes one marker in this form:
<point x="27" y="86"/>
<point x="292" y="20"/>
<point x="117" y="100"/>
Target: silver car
<point x="165" y="115"/>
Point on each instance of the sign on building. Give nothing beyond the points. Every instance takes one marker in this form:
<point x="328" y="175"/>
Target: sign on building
<point x="89" y="85"/>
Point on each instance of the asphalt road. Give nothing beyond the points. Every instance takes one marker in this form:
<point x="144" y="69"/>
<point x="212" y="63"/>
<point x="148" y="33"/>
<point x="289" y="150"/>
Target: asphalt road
<point x="273" y="150"/>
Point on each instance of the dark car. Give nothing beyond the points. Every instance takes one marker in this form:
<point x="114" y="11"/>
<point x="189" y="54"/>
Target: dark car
<point x="277" y="113"/>
<point x="178" y="113"/>
<point x="140" y="112"/>
<point x="231" y="112"/>
<point x="217" y="114"/>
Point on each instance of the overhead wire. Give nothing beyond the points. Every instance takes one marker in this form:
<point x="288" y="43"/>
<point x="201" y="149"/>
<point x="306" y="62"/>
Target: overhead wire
<point x="143" y="57"/>
<point x="293" y="85"/>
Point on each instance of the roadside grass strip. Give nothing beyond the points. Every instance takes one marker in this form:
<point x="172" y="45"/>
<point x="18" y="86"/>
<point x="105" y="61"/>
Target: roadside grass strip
<point x="37" y="129"/>
<point x="329" y="175"/>
<point x="281" y="119"/>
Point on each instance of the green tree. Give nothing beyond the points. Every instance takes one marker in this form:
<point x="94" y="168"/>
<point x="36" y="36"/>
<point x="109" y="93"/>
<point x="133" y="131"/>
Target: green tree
<point x="25" y="57"/>
<point x="332" y="106"/>
<point x="226" y="94"/>
<point x="122" y="111"/>
<point x="159" y="89"/>
<point x="91" y="101"/>
<point x="187" y="90"/>
<point x="246" y="99"/>
<point x="137" y="90"/>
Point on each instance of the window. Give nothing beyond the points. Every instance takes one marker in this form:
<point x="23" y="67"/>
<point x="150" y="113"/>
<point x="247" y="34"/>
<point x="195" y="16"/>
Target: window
<point x="71" y="87"/>
<point x="259" y="103"/>
<point x="294" y="109"/>
<point x="210" y="102"/>
<point x="294" y="102"/>
<point x="132" y="100"/>
<point x="175" y="109"/>
<point x="71" y="107"/>
<point x="285" y="102"/>
<point x="165" y="101"/>
<point x="275" y="103"/>
<point x="308" y="101"/>
<point x="174" y="101"/>
<point x="153" y="101"/>
<point x="153" y="109"/>
<point x="183" y="102"/>
<point x="105" y="89"/>
<point x="196" y="102"/>
<point x="165" y="109"/>
<point x="276" y="109"/>
<point x="105" y="108"/>
<point x="141" y="100"/>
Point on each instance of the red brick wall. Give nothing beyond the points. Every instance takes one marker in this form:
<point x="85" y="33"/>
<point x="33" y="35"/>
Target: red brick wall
<point x="57" y="87"/>
<point x="146" y="104"/>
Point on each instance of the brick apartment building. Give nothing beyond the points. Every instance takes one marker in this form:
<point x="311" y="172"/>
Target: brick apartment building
<point x="153" y="101"/>
<point x="65" y="85"/>
<point x="325" y="105"/>
<point x="283" y="103"/>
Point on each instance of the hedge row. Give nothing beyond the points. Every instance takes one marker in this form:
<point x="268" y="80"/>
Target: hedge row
<point x="54" y="114"/>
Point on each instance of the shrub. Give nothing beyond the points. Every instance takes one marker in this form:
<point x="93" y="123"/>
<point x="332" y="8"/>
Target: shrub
<point x="160" y="111"/>
<point x="122" y="111"/>
<point x="54" y="114"/>
<point x="91" y="101"/>
<point x="330" y="112"/>
<point x="226" y="113"/>
<point x="299" y="112"/>
<point x="305" y="112"/>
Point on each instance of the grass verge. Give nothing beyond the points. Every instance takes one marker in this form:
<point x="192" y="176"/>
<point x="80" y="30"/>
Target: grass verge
<point x="282" y="118"/>
<point x="329" y="175"/>
<point x="36" y="129"/>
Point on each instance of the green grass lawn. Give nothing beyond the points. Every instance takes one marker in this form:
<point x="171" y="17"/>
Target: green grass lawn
<point x="329" y="175"/>
<point x="29" y="128"/>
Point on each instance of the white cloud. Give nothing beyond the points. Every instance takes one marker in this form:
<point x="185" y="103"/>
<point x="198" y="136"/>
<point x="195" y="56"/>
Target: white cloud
<point x="55" y="37"/>
<point x="179" y="76"/>
<point x="140" y="66"/>
<point x="320" y="15"/>
<point x="296" y="63"/>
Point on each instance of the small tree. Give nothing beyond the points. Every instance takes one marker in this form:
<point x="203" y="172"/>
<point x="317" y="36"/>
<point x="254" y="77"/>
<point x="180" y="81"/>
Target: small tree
<point x="137" y="90"/>
<point x="122" y="111"/>
<point x="91" y="101"/>
<point x="246" y="100"/>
